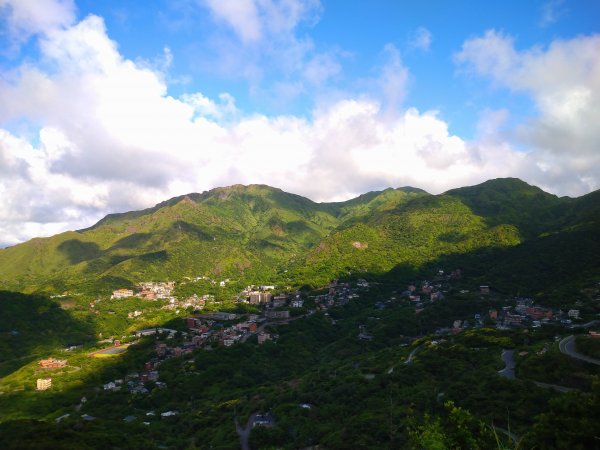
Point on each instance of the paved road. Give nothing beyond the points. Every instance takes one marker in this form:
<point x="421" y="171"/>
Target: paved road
<point x="556" y="387"/>
<point x="509" y="364"/>
<point x="567" y="346"/>
<point x="509" y="372"/>
<point x="412" y="355"/>
<point x="244" y="432"/>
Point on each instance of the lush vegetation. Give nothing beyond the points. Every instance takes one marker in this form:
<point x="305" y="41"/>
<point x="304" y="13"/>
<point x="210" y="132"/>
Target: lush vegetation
<point x="321" y="383"/>
<point x="258" y="234"/>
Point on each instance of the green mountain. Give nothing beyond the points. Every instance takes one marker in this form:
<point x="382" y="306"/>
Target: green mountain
<point x="261" y="234"/>
<point x="395" y="384"/>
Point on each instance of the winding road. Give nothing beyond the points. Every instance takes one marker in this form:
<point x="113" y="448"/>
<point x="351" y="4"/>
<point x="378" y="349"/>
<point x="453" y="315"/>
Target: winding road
<point x="509" y="372"/>
<point x="244" y="432"/>
<point x="567" y="346"/>
<point x="412" y="355"/>
<point x="509" y="364"/>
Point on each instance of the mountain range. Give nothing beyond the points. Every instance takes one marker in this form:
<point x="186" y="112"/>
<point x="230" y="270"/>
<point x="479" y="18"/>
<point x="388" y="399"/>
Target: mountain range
<point x="505" y="231"/>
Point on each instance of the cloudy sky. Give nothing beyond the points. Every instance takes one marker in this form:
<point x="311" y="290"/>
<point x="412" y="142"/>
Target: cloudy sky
<point x="113" y="105"/>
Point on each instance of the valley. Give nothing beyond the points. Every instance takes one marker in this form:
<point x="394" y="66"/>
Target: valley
<point x="249" y="313"/>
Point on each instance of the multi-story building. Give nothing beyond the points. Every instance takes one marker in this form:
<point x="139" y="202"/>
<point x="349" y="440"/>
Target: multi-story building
<point x="44" y="384"/>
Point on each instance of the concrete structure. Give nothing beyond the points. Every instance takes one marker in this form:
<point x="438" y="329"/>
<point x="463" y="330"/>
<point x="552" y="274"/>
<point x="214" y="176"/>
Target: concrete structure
<point x="44" y="384"/>
<point x="263" y="337"/>
<point x="259" y="298"/>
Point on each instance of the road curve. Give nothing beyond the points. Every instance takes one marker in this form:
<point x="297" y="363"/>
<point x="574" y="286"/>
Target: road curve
<point x="412" y="354"/>
<point x="244" y="432"/>
<point x="509" y="364"/>
<point x="567" y="346"/>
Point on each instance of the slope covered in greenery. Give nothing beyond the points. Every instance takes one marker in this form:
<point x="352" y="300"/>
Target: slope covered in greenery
<point x="259" y="234"/>
<point x="504" y="233"/>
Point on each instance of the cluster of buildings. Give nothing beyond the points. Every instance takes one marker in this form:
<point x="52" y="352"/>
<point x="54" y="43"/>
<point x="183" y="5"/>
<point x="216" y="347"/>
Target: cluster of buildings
<point x="525" y="313"/>
<point x="206" y="330"/>
<point x="135" y="383"/>
<point x="148" y="290"/>
<point x="338" y="294"/>
<point x="428" y="292"/>
<point x="194" y="301"/>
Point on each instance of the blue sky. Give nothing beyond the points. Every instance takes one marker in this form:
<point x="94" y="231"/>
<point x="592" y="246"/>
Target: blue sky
<point x="357" y="32"/>
<point x="113" y="105"/>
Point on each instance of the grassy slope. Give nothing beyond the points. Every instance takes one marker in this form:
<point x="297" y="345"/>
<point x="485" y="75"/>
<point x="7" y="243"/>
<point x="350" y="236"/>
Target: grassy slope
<point x="255" y="233"/>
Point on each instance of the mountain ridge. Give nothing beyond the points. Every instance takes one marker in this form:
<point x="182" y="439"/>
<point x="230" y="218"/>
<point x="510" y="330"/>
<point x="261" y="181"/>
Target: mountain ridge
<point x="258" y="232"/>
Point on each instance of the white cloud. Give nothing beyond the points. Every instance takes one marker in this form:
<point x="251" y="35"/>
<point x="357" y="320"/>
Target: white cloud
<point x="393" y="80"/>
<point x="256" y="20"/>
<point x="263" y="43"/>
<point x="564" y="83"/>
<point x="241" y="15"/>
<point x="25" y="18"/>
<point x="421" y="39"/>
<point x="111" y="138"/>
<point x="552" y="10"/>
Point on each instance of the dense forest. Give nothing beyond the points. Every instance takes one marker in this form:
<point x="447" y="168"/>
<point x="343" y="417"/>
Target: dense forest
<point x="373" y="371"/>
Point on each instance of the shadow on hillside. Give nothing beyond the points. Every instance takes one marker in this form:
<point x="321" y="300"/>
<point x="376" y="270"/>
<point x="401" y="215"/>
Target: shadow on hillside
<point x="131" y="241"/>
<point x="191" y="229"/>
<point x="78" y="251"/>
<point x="555" y="264"/>
<point x="535" y="265"/>
<point x="33" y="326"/>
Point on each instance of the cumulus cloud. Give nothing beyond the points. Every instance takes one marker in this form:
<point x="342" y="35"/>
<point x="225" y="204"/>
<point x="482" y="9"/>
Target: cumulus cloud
<point x="24" y="18"/>
<point x="111" y="138"/>
<point x="563" y="81"/>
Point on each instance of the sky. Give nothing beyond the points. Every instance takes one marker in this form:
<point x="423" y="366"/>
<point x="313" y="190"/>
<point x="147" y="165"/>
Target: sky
<point x="116" y="105"/>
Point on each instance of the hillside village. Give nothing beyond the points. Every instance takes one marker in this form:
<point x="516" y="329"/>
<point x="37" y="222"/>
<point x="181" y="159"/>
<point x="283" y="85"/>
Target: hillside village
<point x="256" y="313"/>
<point x="207" y="330"/>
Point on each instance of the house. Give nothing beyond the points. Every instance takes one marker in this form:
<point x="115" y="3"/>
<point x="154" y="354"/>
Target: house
<point x="512" y="319"/>
<point x="279" y="301"/>
<point x="263" y="337"/>
<point x="573" y="313"/>
<point x="267" y="288"/>
<point x="43" y="384"/>
<point x="122" y="293"/>
<point x="297" y="303"/>
<point x="263" y="420"/>
<point x="493" y="314"/>
<point x="52" y="363"/>
<point x="537" y="313"/>
<point x="484" y="290"/>
<point x="277" y="314"/>
<point x="219" y="315"/>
